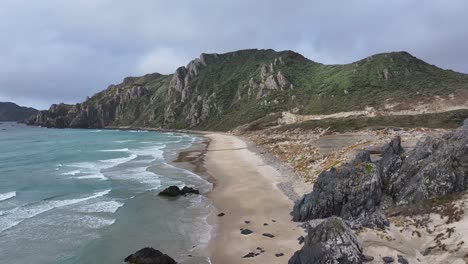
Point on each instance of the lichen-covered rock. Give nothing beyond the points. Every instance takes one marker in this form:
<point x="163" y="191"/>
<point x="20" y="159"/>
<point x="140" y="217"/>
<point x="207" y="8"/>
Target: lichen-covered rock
<point x="331" y="242"/>
<point x="435" y="167"/>
<point x="349" y="191"/>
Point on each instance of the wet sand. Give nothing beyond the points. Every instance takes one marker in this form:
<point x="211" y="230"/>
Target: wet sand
<point x="246" y="190"/>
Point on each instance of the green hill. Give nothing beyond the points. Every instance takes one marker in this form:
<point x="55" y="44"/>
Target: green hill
<point x="13" y="112"/>
<point x="223" y="91"/>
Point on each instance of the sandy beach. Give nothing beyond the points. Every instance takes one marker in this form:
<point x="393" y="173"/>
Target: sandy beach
<point x="246" y="192"/>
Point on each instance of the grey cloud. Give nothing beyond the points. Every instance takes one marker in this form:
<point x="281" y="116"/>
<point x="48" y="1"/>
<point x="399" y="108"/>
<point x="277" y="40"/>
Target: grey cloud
<point x="54" y="51"/>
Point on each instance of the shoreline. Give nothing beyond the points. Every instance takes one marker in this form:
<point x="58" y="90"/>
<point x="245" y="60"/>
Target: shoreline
<point x="245" y="187"/>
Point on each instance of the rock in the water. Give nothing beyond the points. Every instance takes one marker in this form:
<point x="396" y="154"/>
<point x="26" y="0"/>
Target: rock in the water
<point x="189" y="190"/>
<point x="149" y="256"/>
<point x="268" y="235"/>
<point x="332" y="241"/>
<point x="246" y="231"/>
<point x="388" y="259"/>
<point x="174" y="191"/>
<point x="171" y="191"/>
<point x="279" y="254"/>
<point x="221" y="214"/>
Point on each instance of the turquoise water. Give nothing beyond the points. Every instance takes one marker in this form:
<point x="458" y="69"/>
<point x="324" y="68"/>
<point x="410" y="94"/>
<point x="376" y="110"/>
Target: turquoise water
<point x="90" y="196"/>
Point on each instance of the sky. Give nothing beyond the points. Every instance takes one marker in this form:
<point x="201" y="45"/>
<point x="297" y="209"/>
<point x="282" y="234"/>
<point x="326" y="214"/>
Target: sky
<point x="55" y="51"/>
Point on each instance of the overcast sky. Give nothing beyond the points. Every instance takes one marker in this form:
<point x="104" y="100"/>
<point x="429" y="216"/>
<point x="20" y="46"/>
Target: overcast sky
<point x="61" y="51"/>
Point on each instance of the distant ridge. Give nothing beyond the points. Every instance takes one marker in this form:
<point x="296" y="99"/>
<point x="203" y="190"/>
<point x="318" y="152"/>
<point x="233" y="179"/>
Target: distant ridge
<point x="224" y="91"/>
<point x="13" y="112"/>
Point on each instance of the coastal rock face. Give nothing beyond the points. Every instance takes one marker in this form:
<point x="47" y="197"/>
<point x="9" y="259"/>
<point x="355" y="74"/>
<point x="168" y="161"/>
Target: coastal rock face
<point x="435" y="167"/>
<point x="351" y="191"/>
<point x="183" y="99"/>
<point x="149" y="256"/>
<point x="118" y="105"/>
<point x="332" y="241"/>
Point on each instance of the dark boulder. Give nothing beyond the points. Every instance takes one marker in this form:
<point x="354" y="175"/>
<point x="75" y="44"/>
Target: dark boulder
<point x="332" y="241"/>
<point x="246" y="231"/>
<point x="249" y="255"/>
<point x="171" y="191"/>
<point x="402" y="260"/>
<point x="174" y="191"/>
<point x="388" y="259"/>
<point x="189" y="190"/>
<point x="149" y="256"/>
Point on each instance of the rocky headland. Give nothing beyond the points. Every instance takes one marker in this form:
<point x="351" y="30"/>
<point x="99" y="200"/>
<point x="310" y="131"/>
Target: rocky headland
<point x="402" y="190"/>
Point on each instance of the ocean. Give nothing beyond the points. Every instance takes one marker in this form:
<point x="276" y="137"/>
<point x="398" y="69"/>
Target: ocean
<point x="90" y="196"/>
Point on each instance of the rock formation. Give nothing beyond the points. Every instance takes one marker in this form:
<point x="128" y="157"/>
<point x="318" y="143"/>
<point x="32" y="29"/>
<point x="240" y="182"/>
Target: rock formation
<point x="435" y="167"/>
<point x="356" y="192"/>
<point x="149" y="255"/>
<point x="349" y="191"/>
<point x="174" y="191"/>
<point x="332" y="241"/>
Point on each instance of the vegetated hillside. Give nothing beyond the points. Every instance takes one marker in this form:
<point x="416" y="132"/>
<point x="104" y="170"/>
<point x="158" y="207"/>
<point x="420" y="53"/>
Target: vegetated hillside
<point x="134" y="102"/>
<point x="13" y="112"/>
<point x="223" y="91"/>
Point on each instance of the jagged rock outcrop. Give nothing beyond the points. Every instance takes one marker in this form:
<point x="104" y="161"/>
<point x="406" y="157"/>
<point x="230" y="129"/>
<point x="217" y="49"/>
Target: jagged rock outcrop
<point x="331" y="242"/>
<point x="149" y="255"/>
<point x="271" y="79"/>
<point x="350" y="191"/>
<point x="119" y="104"/>
<point x="183" y="99"/>
<point x="435" y="167"/>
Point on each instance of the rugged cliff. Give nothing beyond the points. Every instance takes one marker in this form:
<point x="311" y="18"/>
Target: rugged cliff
<point x="14" y="112"/>
<point x="223" y="91"/>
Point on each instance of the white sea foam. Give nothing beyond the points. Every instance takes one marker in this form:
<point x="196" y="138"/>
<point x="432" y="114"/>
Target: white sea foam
<point x="114" y="150"/>
<point x="17" y="215"/>
<point x="109" y="163"/>
<point x="140" y="175"/>
<point x="100" y="207"/>
<point x="92" y="170"/>
<point x="99" y="176"/>
<point x="138" y="131"/>
<point x="123" y="141"/>
<point x="154" y="151"/>
<point x="6" y="196"/>
<point x="74" y="172"/>
<point x="95" y="222"/>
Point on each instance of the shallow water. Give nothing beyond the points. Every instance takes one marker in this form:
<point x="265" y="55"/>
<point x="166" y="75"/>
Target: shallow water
<point x="90" y="196"/>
